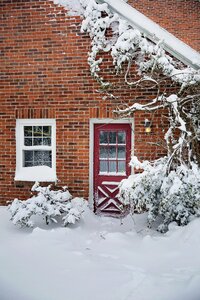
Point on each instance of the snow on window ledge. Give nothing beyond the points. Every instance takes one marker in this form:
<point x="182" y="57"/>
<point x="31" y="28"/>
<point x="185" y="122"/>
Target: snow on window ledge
<point x="38" y="173"/>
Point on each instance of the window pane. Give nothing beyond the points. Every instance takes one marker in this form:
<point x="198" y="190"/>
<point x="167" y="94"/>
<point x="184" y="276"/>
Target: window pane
<point x="121" y="166"/>
<point x="38" y="163"/>
<point x="112" y="137"/>
<point x="42" y="156"/>
<point x="37" y="131"/>
<point x="121" y="137"/>
<point x="28" y="131"/>
<point x="47" y="141"/>
<point x="121" y="152"/>
<point x="28" y="155"/>
<point x="46" y="131"/>
<point x="48" y="164"/>
<point x="37" y="141"/>
<point x="103" y="152"/>
<point x="28" y="141"/>
<point x="28" y="158"/>
<point x="37" y="158"/>
<point x="28" y="164"/>
<point x="42" y="163"/>
<point x="112" y="166"/>
<point x="103" y="137"/>
<point x="103" y="166"/>
<point x="112" y="152"/>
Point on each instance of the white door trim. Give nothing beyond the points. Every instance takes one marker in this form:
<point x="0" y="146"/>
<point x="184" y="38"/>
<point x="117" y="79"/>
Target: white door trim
<point x="94" y="121"/>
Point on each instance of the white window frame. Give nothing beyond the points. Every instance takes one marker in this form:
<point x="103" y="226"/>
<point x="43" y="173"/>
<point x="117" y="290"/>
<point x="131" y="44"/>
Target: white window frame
<point x="20" y="147"/>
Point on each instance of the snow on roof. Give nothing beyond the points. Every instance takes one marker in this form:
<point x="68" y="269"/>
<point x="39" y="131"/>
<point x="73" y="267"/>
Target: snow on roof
<point x="156" y="33"/>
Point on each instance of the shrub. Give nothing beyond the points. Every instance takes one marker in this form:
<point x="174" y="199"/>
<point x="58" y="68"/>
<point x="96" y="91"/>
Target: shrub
<point x="49" y="204"/>
<point x="174" y="195"/>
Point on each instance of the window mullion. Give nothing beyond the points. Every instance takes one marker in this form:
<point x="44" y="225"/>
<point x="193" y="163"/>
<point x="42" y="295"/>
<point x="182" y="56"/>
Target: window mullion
<point x="47" y="148"/>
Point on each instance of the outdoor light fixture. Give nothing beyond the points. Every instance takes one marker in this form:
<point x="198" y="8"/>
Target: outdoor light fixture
<point x="147" y="126"/>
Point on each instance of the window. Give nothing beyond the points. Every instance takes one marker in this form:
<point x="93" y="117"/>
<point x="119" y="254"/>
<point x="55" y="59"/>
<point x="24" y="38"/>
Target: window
<point x="35" y="144"/>
<point x="112" y="152"/>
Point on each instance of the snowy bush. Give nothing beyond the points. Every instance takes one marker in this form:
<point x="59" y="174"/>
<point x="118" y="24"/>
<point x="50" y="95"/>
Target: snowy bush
<point x="49" y="204"/>
<point x="175" y="196"/>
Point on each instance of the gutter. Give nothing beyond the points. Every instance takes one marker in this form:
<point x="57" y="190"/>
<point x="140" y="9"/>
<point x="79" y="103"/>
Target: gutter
<point x="156" y="33"/>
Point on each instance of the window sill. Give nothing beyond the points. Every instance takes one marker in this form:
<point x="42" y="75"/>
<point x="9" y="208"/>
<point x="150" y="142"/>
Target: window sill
<point x="39" y="173"/>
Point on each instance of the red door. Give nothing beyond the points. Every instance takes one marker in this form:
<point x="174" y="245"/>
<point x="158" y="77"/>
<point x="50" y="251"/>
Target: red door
<point x="112" y="151"/>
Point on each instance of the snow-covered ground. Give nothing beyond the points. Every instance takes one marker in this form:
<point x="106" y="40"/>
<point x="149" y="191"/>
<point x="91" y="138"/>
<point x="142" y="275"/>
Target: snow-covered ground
<point x="99" y="259"/>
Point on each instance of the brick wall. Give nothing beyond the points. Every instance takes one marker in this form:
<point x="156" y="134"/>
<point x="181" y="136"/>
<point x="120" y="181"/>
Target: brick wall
<point x="180" y="17"/>
<point x="45" y="75"/>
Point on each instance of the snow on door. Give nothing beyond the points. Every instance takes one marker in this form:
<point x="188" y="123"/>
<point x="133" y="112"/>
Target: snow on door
<point x="112" y="151"/>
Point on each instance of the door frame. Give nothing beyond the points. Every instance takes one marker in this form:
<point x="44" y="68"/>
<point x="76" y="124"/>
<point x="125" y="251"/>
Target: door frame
<point x="94" y="121"/>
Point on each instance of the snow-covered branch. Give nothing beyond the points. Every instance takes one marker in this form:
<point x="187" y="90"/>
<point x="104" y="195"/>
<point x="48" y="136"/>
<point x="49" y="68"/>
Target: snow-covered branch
<point x="128" y="45"/>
